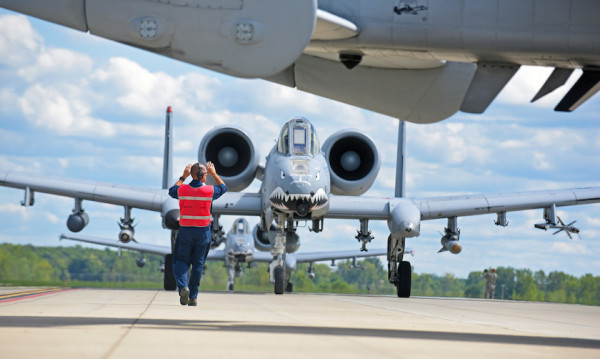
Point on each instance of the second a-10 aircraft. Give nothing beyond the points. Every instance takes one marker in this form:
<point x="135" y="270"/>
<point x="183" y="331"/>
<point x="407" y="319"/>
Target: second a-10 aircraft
<point x="239" y="249"/>
<point x="303" y="181"/>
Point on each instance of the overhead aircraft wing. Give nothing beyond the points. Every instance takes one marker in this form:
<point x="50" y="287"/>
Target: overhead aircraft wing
<point x="457" y="206"/>
<point x="231" y="203"/>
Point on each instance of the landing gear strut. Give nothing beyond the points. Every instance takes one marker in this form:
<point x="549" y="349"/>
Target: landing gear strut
<point x="169" y="276"/>
<point x="277" y="267"/>
<point x="399" y="271"/>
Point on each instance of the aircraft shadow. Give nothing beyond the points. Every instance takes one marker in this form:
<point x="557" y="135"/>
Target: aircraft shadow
<point x="230" y="326"/>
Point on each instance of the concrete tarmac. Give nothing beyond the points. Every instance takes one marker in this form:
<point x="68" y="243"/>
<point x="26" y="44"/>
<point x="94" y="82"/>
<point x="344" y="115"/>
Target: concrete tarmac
<point x="112" y="323"/>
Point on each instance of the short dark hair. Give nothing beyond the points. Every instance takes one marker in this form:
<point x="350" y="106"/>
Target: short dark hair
<point x="198" y="169"/>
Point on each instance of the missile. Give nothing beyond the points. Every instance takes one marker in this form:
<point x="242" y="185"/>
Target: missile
<point x="450" y="245"/>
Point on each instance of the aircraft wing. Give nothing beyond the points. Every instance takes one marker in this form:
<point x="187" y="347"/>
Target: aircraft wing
<point x="231" y="203"/>
<point x="214" y="254"/>
<point x="134" y="246"/>
<point x="381" y="208"/>
<point x="136" y="197"/>
<point x="332" y="255"/>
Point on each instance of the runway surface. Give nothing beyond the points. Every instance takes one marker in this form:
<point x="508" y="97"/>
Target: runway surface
<point x="105" y="323"/>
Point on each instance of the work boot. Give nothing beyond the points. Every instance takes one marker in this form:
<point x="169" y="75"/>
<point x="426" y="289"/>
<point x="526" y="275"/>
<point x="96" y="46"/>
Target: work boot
<point x="184" y="296"/>
<point x="193" y="302"/>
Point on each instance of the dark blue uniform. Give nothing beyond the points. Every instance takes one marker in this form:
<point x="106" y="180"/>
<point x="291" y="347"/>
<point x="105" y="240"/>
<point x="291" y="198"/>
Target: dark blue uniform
<point x="191" y="247"/>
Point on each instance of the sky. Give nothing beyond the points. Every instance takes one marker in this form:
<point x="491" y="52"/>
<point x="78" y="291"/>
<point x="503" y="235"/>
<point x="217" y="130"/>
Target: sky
<point x="80" y="107"/>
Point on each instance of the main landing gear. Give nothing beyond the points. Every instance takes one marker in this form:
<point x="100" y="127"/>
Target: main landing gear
<point x="399" y="271"/>
<point x="277" y="267"/>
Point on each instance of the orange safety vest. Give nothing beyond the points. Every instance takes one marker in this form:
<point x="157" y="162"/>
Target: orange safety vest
<point x="194" y="205"/>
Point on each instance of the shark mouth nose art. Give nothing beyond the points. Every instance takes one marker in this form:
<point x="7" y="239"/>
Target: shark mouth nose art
<point x="291" y="201"/>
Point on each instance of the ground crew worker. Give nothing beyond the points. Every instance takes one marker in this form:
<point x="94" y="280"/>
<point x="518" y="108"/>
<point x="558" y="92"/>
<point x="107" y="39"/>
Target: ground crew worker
<point x="490" y="285"/>
<point x="194" y="235"/>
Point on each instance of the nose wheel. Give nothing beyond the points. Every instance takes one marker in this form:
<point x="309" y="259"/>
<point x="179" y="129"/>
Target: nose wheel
<point x="279" y="274"/>
<point x="399" y="271"/>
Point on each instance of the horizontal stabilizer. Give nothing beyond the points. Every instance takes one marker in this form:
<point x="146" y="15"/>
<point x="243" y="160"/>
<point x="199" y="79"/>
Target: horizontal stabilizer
<point x="557" y="78"/>
<point x="489" y="80"/>
<point x="587" y="85"/>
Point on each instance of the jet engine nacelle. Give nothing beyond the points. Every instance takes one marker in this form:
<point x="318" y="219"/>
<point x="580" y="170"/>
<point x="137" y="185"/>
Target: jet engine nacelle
<point x="233" y="154"/>
<point x="353" y="162"/>
<point x="250" y="39"/>
<point x="77" y="221"/>
<point x="264" y="241"/>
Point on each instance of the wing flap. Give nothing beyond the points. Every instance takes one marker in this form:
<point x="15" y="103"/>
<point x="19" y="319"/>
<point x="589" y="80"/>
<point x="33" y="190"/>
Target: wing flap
<point x="406" y="94"/>
<point x="585" y="87"/>
<point x="489" y="80"/>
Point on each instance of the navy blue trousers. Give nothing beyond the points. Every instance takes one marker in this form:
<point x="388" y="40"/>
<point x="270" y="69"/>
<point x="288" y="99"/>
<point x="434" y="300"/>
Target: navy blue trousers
<point x="191" y="248"/>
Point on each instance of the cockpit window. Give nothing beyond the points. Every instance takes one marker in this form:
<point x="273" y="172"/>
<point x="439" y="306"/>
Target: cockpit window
<point x="300" y="145"/>
<point x="282" y="145"/>
<point x="298" y="137"/>
<point x="239" y="227"/>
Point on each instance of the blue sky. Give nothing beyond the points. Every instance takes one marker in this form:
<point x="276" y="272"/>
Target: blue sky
<point x="80" y="107"/>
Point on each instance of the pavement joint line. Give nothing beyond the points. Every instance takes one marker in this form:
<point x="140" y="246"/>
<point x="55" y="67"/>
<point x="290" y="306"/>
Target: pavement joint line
<point x="131" y="326"/>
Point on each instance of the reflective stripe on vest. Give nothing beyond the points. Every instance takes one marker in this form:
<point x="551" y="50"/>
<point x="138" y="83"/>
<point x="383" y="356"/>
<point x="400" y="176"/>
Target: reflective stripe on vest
<point x="194" y="205"/>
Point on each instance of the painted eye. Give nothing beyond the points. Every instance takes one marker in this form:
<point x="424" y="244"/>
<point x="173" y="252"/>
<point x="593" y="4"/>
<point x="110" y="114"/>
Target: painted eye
<point x="318" y="176"/>
<point x="282" y="175"/>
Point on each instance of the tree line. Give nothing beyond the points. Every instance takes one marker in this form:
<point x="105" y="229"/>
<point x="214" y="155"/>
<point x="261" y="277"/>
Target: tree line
<point x="73" y="266"/>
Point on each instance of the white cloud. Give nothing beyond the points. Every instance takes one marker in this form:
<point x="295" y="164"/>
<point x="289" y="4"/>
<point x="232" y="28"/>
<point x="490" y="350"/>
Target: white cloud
<point x="57" y="111"/>
<point x="56" y="64"/>
<point x="540" y="162"/>
<point x="18" y="40"/>
<point x="571" y="247"/>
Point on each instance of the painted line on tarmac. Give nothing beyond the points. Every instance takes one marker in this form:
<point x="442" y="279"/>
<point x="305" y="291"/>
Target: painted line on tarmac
<point x="32" y="293"/>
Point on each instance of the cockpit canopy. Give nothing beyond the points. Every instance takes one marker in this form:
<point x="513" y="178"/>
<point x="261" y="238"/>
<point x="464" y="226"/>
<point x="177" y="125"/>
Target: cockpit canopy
<point x="240" y="226"/>
<point x="298" y="137"/>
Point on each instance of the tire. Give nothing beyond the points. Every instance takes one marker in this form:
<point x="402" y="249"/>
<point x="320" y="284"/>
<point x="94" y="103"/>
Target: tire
<point x="169" y="280"/>
<point x="279" y="280"/>
<point x="404" y="279"/>
<point x="289" y="287"/>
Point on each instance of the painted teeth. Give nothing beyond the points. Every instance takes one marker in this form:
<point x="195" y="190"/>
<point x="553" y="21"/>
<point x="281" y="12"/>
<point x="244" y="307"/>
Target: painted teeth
<point x="279" y="197"/>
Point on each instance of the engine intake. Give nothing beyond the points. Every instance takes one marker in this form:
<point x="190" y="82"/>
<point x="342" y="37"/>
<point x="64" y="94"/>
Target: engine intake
<point x="233" y="154"/>
<point x="353" y="162"/>
<point x="264" y="241"/>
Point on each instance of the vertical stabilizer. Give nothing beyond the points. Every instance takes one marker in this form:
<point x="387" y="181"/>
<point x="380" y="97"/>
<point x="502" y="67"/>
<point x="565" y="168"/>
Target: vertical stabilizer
<point x="168" y="159"/>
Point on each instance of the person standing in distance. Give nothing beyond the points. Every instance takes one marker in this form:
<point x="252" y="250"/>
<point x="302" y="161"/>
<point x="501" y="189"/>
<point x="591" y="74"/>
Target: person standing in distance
<point x="490" y="284"/>
<point x="194" y="235"/>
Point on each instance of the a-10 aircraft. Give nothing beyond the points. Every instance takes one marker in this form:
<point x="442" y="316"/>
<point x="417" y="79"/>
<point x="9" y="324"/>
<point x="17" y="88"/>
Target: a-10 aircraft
<point x="239" y="249"/>
<point x="415" y="60"/>
<point x="303" y="181"/>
